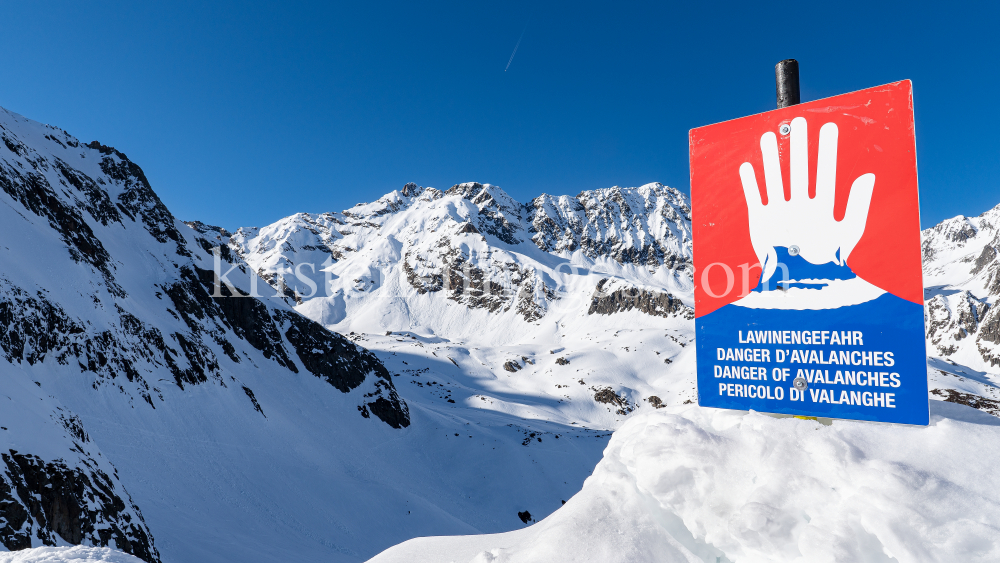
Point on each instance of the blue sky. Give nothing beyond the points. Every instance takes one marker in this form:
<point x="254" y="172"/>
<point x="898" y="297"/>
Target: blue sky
<point x="241" y="113"/>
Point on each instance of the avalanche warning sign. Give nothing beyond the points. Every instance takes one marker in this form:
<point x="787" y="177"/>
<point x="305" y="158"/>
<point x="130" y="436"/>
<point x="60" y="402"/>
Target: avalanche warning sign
<point x="808" y="287"/>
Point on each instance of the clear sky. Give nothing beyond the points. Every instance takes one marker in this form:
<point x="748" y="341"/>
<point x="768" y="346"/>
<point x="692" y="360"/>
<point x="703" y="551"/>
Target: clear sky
<point x="241" y="113"/>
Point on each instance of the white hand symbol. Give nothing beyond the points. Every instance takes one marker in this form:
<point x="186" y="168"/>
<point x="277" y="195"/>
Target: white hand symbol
<point x="802" y="221"/>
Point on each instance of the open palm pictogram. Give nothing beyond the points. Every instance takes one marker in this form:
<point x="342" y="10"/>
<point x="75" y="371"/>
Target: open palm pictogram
<point x="804" y="222"/>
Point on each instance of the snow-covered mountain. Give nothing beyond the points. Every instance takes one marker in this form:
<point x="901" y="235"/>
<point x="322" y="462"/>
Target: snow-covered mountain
<point x="171" y="415"/>
<point x="490" y="349"/>
<point x="962" y="287"/>
<point x="578" y="304"/>
<point x="586" y="302"/>
<point x="136" y="392"/>
<point x="425" y="260"/>
<point x="472" y="244"/>
<point x="962" y="276"/>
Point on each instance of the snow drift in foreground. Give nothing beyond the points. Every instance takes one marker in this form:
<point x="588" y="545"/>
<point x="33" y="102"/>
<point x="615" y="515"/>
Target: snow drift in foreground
<point x="687" y="484"/>
<point x="76" y="554"/>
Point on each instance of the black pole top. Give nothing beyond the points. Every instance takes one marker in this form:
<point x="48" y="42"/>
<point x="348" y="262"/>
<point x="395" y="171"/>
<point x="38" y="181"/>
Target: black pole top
<point x="786" y="77"/>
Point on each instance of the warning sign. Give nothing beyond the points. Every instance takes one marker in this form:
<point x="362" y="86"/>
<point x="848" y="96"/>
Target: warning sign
<point x="808" y="282"/>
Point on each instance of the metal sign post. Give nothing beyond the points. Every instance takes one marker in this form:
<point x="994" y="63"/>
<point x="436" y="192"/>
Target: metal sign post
<point x="808" y="281"/>
<point x="786" y="79"/>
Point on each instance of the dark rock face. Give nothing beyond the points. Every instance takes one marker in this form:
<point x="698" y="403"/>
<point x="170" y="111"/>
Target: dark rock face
<point x="964" y="250"/>
<point x="469" y="228"/>
<point x="32" y="190"/>
<point x="324" y="354"/>
<point x="989" y="331"/>
<point x="411" y="190"/>
<point x="138" y="198"/>
<point x="253" y="400"/>
<point x="617" y="402"/>
<point x="951" y="232"/>
<point x="328" y="355"/>
<point x="34" y="329"/>
<point x="219" y="233"/>
<point x="344" y="365"/>
<point x="247" y="316"/>
<point x="504" y="287"/>
<point x="512" y="366"/>
<point x="986" y="257"/>
<point x="655" y="303"/>
<point x="499" y="215"/>
<point x="562" y="361"/>
<point x="655" y="402"/>
<point x="961" y="232"/>
<point x="947" y="327"/>
<point x="648" y="225"/>
<point x="389" y="409"/>
<point x="975" y="401"/>
<point x="48" y="500"/>
<point x="430" y="283"/>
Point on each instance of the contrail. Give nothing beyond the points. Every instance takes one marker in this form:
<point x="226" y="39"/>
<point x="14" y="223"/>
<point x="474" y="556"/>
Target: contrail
<point x="518" y="44"/>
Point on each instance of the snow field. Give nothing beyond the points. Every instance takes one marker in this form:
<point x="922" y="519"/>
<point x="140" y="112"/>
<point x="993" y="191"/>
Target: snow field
<point x="693" y="484"/>
<point x="75" y="554"/>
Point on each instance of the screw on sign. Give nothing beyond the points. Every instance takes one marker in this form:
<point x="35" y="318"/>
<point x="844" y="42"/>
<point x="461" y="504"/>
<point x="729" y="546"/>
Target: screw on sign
<point x="808" y="284"/>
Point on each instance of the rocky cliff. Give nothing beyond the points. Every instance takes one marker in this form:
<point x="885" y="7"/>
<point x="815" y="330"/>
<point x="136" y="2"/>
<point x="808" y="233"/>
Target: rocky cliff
<point x="106" y="297"/>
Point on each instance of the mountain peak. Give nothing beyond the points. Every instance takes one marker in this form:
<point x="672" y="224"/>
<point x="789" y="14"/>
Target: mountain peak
<point x="120" y="310"/>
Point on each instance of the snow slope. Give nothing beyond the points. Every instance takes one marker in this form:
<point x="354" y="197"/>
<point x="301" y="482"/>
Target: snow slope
<point x="139" y="406"/>
<point x="76" y="554"/>
<point x="690" y="484"/>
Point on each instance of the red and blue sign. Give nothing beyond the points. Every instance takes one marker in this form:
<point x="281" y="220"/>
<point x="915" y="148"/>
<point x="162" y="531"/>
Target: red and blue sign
<point x="808" y="280"/>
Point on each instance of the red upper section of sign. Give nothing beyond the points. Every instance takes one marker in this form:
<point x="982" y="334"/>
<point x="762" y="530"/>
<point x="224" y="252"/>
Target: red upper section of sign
<point x="875" y="136"/>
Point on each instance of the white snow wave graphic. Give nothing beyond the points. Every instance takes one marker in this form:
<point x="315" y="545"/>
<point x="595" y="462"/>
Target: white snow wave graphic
<point x="837" y="294"/>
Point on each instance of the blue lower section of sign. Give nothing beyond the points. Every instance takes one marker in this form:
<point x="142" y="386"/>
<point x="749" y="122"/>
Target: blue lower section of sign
<point x="864" y="362"/>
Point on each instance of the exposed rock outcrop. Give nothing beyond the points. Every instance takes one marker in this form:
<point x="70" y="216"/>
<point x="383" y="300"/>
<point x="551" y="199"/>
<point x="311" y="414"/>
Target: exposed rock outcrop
<point x="952" y="319"/>
<point x="616" y="296"/>
<point x="649" y="225"/>
<point x="496" y="287"/>
<point x="618" y="403"/>
<point x="51" y="501"/>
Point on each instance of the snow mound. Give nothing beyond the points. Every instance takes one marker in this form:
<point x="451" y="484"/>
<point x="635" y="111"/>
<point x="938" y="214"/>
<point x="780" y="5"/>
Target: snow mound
<point x="696" y="484"/>
<point x="77" y="554"/>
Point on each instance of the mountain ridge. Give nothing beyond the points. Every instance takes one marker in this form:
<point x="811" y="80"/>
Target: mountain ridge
<point x="107" y="298"/>
<point x="648" y="226"/>
<point x="456" y="367"/>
